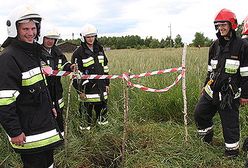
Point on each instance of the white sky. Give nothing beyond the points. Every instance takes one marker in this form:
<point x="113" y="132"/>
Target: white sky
<point x="130" y="17"/>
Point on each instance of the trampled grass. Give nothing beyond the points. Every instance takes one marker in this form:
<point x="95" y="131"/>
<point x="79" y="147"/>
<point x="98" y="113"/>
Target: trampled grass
<point x="156" y="136"/>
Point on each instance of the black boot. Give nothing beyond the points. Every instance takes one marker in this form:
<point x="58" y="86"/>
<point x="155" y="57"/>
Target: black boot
<point x="231" y="153"/>
<point x="246" y="163"/>
<point x="245" y="145"/>
<point x="208" y="137"/>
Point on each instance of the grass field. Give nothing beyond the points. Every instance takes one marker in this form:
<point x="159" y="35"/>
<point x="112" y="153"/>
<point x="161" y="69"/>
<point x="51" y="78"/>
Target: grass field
<point x="156" y="137"/>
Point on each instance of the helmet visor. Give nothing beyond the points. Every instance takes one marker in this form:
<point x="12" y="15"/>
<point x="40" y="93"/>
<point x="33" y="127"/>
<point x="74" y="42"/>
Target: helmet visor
<point x="220" y="24"/>
<point x="28" y="20"/>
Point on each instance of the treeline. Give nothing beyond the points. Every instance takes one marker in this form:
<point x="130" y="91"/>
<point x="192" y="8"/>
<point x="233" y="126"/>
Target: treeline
<point x="135" y="41"/>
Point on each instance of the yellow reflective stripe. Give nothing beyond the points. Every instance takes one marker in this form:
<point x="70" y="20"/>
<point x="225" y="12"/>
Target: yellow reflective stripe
<point x="87" y="62"/>
<point x="231" y="66"/>
<point x="32" y="80"/>
<point x="8" y="96"/>
<point x="101" y="59"/>
<point x="61" y="103"/>
<point x="106" y="69"/>
<point x="39" y="143"/>
<point x="60" y="64"/>
<point x="208" y="90"/>
<point x="62" y="67"/>
<point x="244" y="71"/>
<point x="7" y="101"/>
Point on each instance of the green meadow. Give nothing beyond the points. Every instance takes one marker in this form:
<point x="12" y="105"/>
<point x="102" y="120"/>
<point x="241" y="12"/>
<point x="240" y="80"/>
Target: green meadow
<point x="155" y="128"/>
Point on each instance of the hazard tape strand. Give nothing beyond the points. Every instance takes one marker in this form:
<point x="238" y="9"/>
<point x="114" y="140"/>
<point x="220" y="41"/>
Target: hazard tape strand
<point x="127" y="77"/>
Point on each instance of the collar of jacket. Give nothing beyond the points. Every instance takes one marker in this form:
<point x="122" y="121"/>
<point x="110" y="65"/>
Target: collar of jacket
<point x="223" y="41"/>
<point x="24" y="45"/>
<point x="29" y="48"/>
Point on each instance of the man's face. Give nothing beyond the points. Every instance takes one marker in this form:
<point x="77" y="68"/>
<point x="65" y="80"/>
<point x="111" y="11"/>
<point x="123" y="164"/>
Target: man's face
<point x="27" y="31"/>
<point x="90" y="39"/>
<point x="223" y="27"/>
<point x="48" y="42"/>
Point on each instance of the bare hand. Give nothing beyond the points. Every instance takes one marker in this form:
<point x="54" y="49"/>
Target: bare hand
<point x="73" y="67"/>
<point x="19" y="140"/>
<point x="107" y="89"/>
<point x="243" y="101"/>
<point x="54" y="112"/>
<point x="47" y="70"/>
<point x="202" y="90"/>
<point x="82" y="96"/>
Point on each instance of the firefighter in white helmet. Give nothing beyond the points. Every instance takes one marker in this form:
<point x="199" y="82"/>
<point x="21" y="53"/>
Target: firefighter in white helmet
<point x="53" y="58"/>
<point x="91" y="59"/>
<point x="26" y="110"/>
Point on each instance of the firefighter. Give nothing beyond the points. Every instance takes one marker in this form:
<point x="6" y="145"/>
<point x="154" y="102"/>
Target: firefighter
<point x="91" y="59"/>
<point x="26" y="111"/>
<point x="245" y="37"/>
<point x="54" y="59"/>
<point x="245" y="29"/>
<point x="226" y="85"/>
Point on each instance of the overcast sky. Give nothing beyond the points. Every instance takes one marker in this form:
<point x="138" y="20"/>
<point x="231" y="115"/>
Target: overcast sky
<point x="130" y="17"/>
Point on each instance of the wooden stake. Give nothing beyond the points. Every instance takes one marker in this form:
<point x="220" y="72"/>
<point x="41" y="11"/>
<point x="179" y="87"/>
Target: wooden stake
<point x="67" y="119"/>
<point x="67" y="111"/>
<point x="184" y="92"/>
<point x="125" y="93"/>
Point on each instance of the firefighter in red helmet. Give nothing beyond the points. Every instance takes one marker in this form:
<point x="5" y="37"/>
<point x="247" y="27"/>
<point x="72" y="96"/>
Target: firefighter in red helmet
<point x="226" y="85"/>
<point x="245" y="29"/>
<point x="245" y="37"/>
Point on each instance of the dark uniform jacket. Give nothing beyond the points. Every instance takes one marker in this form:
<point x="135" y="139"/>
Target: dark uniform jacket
<point x="227" y="68"/>
<point x="91" y="63"/>
<point x="57" y="61"/>
<point x="25" y="104"/>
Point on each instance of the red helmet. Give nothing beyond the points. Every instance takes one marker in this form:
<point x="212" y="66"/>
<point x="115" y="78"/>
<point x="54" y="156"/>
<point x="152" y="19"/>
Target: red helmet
<point x="226" y="15"/>
<point x="245" y="26"/>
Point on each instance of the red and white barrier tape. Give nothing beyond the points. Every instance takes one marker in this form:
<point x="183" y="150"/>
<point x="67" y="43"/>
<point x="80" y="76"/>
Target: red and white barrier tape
<point x="147" y="89"/>
<point x="126" y="77"/>
<point x="65" y="73"/>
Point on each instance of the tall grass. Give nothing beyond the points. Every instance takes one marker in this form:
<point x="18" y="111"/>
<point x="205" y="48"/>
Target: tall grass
<point x="155" y="127"/>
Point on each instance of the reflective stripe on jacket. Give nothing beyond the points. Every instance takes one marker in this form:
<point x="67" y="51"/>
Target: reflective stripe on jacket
<point x="25" y="104"/>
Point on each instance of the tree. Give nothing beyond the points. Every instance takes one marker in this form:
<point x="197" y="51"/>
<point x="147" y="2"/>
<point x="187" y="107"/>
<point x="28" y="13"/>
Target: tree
<point x="199" y="39"/>
<point x="239" y="30"/>
<point x="147" y="41"/>
<point x="208" y="42"/>
<point x="178" y="41"/>
<point x="169" y="42"/>
<point x="162" y="43"/>
<point x="154" y="43"/>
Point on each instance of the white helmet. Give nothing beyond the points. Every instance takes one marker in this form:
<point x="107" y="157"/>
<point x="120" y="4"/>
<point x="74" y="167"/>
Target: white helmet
<point x="49" y="32"/>
<point x="89" y="29"/>
<point x="22" y="13"/>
